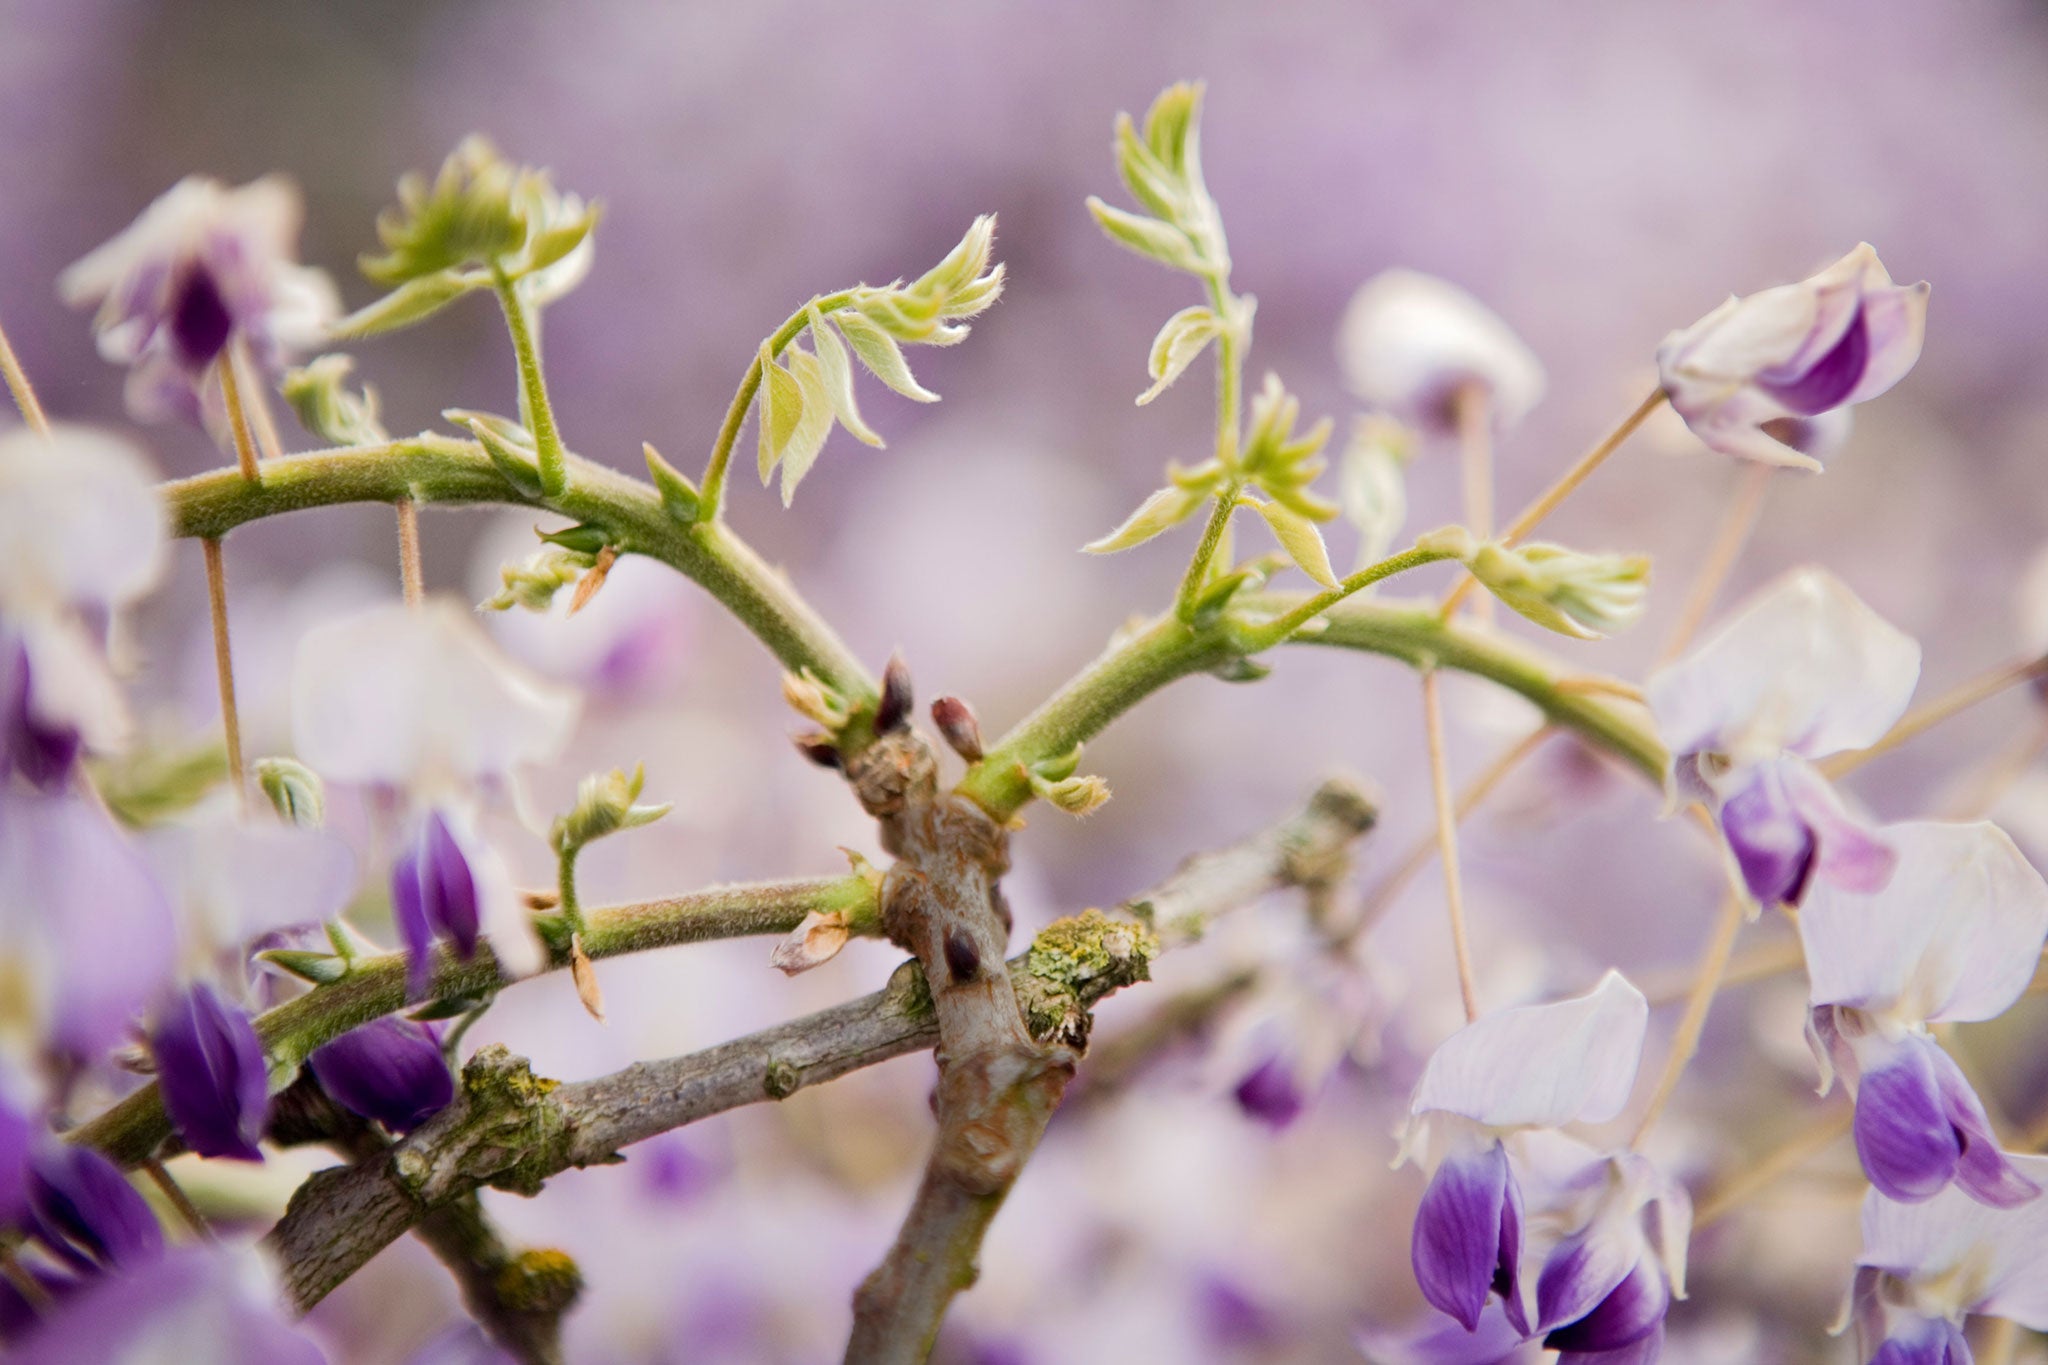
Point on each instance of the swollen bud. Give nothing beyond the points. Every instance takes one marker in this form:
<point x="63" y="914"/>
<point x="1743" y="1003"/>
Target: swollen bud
<point x="819" y="747"/>
<point x="319" y="394"/>
<point x="604" y="805"/>
<point x="814" y="701"/>
<point x="956" y="722"/>
<point x="892" y="712"/>
<point x="295" y="790"/>
<point x="1586" y="596"/>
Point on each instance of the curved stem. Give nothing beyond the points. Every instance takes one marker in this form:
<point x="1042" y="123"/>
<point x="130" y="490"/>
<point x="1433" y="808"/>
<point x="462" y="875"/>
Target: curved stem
<point x="1197" y="577"/>
<point x="24" y="393"/>
<point x="1281" y="628"/>
<point x="533" y="386"/>
<point x="434" y="469"/>
<point x="712" y="486"/>
<point x="375" y="986"/>
<point x="1693" y="1023"/>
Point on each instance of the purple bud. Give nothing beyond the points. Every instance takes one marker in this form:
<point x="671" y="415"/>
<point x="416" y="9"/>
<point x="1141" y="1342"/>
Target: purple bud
<point x="390" y="1070"/>
<point x="1467" y="1233"/>
<point x="85" y="1210"/>
<point x="1631" y="1311"/>
<point x="955" y="719"/>
<point x="432" y="892"/>
<point x="1269" y="1094"/>
<point x="210" y="1066"/>
<point x="200" y="320"/>
<point x="820" y="748"/>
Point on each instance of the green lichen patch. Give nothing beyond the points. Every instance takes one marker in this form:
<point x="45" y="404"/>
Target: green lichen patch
<point x="540" y="1280"/>
<point x="1073" y="963"/>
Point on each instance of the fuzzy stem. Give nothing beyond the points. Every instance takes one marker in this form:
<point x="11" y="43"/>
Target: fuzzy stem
<point x="375" y="986"/>
<point x="410" y="571"/>
<point x="1197" y="576"/>
<point x="1738" y="519"/>
<point x="18" y="385"/>
<point x="1279" y="630"/>
<point x="1447" y="841"/>
<point x="224" y="665"/>
<point x="439" y="470"/>
<point x="711" y="489"/>
<point x="1550" y="498"/>
<point x="533" y="385"/>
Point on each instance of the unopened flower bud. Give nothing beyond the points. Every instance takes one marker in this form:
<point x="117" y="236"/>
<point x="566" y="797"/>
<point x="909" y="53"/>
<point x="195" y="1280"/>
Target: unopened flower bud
<point x="210" y="1066"/>
<point x="295" y="791"/>
<point x="892" y="712"/>
<point x="956" y="722"/>
<point x="534" y="583"/>
<point x="1582" y="595"/>
<point x="813" y="700"/>
<point x="604" y="805"/>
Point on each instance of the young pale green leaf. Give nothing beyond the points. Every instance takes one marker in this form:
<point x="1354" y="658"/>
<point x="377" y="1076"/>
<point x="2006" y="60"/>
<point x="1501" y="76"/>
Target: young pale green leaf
<point x="813" y="426"/>
<point x="974" y="298"/>
<point x="1148" y="237"/>
<point x="1150" y="182"/>
<point x="1302" y="541"/>
<point x="964" y="263"/>
<point x="318" y="392"/>
<point x="1170" y="124"/>
<point x="319" y="968"/>
<point x="839" y="379"/>
<point x="1184" y="337"/>
<point x="782" y="408"/>
<point x="880" y="353"/>
<point x="414" y="301"/>
<point x="678" y="494"/>
<point x="555" y="241"/>
<point x="508" y="444"/>
<point x="1299" y="499"/>
<point x="1585" y="596"/>
<point x="1168" y="507"/>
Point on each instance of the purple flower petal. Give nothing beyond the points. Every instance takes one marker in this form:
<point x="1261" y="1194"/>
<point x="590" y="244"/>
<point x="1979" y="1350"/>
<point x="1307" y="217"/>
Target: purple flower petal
<point x="1457" y="1246"/>
<point x="1982" y="1171"/>
<point x="41" y="751"/>
<point x="1772" y="843"/>
<point x="1269" y="1094"/>
<point x="210" y="1065"/>
<point x="1932" y="1341"/>
<point x="409" y="914"/>
<point x="1831" y="378"/>
<point x="1631" y="1311"/>
<point x="390" y="1070"/>
<point x="200" y="320"/>
<point x="196" y="1303"/>
<point x="1848" y="853"/>
<point x="448" y="885"/>
<point x="17" y="1139"/>
<point x="85" y="1210"/>
<point x="1580" y="1274"/>
<point x="1907" y="1144"/>
<point x="1643" y="1351"/>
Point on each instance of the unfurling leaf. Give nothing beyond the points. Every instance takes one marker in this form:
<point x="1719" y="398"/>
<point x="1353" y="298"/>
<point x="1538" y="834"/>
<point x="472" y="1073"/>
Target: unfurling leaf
<point x="414" y="301"/>
<point x="319" y="968"/>
<point x="812" y="428"/>
<point x="838" y="371"/>
<point x="318" y="392"/>
<point x="678" y="495"/>
<point x="509" y="445"/>
<point x="1183" y="338"/>
<point x="782" y="407"/>
<point x="295" y="791"/>
<point x="1302" y="541"/>
<point x="1168" y="507"/>
<point x="880" y="353"/>
<point x="1148" y="237"/>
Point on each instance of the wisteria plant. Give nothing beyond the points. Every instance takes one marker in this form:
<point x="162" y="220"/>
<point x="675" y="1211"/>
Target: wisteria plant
<point x="283" y="984"/>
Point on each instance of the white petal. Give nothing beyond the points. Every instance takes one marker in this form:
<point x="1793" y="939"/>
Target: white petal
<point x="80" y="521"/>
<point x="1408" y="340"/>
<point x="242" y="880"/>
<point x="2003" y="1253"/>
<point x="405" y="696"/>
<point x="1955" y="934"/>
<point x="1804" y="666"/>
<point x="1542" y="1065"/>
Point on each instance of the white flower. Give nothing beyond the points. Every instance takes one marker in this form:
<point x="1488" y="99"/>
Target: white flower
<point x="1409" y="342"/>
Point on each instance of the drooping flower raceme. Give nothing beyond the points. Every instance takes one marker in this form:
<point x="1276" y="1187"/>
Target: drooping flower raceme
<point x="1745" y="373"/>
<point x="1605" y="1235"/>
<point x="1953" y="936"/>
<point x="1411" y="343"/>
<point x="203" y="266"/>
<point x="418" y="704"/>
<point x="1926" y="1267"/>
<point x="1804" y="670"/>
<point x="81" y="536"/>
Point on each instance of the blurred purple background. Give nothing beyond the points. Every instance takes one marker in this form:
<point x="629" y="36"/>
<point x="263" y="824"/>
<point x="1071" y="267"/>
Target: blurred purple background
<point x="1598" y="173"/>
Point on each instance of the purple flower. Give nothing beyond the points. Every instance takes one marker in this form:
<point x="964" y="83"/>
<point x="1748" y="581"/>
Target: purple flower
<point x="203" y="265"/>
<point x="86" y="1212"/>
<point x="1803" y="670"/>
<point x="19" y="1124"/>
<point x="1795" y="351"/>
<point x="1953" y="936"/>
<point x="433" y="894"/>
<point x="390" y="1070"/>
<point x="207" y="1303"/>
<point x="210" y="1065"/>
<point x="1927" y="1266"/>
<point x="1514" y="1072"/>
<point x="1411" y="342"/>
<point x="1616" y="1258"/>
<point x="1268" y="1093"/>
<point x="42" y="747"/>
